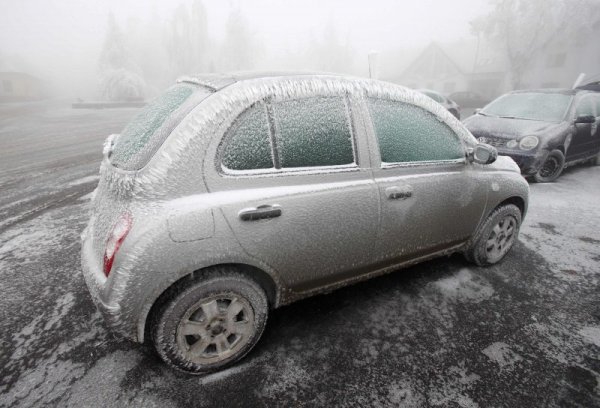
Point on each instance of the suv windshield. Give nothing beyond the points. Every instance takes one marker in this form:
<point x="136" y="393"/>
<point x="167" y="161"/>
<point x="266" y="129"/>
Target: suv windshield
<point x="148" y="130"/>
<point x="546" y="107"/>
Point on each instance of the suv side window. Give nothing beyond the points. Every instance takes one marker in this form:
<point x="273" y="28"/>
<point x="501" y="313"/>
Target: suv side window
<point x="313" y="131"/>
<point x="586" y="106"/>
<point x="408" y="133"/>
<point x="248" y="141"/>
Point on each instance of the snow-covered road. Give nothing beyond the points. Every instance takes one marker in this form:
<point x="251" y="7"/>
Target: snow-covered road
<point x="525" y="333"/>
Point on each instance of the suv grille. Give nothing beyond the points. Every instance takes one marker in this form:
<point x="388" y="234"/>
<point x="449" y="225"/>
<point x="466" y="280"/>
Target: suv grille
<point x="493" y="141"/>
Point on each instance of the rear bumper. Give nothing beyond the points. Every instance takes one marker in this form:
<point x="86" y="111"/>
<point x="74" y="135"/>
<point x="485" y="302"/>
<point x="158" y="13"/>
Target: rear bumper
<point x="99" y="290"/>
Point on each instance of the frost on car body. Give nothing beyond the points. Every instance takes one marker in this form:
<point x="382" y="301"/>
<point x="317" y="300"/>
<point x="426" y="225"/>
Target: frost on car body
<point x="282" y="186"/>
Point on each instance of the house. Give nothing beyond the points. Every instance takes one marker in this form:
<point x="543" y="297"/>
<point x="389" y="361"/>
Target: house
<point x="465" y="65"/>
<point x="19" y="87"/>
<point x="476" y="65"/>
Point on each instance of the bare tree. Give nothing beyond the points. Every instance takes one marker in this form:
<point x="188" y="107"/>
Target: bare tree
<point x="525" y="28"/>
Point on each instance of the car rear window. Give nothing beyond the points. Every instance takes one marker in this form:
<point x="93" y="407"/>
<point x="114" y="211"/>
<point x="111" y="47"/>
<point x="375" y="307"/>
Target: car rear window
<point x="148" y="130"/>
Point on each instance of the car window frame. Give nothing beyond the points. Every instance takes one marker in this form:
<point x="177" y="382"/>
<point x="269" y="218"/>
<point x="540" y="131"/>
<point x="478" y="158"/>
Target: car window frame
<point x="410" y="164"/>
<point x="277" y="170"/>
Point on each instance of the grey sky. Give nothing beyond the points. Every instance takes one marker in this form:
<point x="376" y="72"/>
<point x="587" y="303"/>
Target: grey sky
<point x="66" y="35"/>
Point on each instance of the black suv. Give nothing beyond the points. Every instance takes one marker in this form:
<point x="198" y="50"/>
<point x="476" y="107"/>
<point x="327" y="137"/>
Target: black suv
<point x="542" y="130"/>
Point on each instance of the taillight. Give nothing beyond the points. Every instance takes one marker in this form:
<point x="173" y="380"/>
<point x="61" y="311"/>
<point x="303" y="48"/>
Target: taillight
<point x="115" y="239"/>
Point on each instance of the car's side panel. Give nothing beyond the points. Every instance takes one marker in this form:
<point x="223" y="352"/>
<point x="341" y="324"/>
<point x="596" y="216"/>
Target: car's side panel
<point x="327" y="216"/>
<point x="502" y="183"/>
<point x="438" y="207"/>
<point x="443" y="209"/>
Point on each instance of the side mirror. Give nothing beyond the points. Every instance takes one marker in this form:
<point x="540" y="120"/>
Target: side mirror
<point x="483" y="154"/>
<point x="585" y="119"/>
<point x="477" y="111"/>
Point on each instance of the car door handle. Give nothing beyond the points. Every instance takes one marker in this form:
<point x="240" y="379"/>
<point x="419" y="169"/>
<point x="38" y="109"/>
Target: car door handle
<point x="399" y="193"/>
<point x="260" y="213"/>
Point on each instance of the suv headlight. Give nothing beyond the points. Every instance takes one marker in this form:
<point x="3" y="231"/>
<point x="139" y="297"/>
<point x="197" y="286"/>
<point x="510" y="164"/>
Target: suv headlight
<point x="528" y="143"/>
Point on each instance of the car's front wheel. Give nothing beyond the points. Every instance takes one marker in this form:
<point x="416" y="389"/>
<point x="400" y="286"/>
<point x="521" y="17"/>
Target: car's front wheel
<point x="551" y="168"/>
<point x="210" y="322"/>
<point x="496" y="236"/>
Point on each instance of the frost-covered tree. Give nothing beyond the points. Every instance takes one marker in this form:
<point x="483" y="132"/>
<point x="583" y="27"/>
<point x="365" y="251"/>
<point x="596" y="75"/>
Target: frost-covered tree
<point x="523" y="29"/>
<point x="119" y="77"/>
<point x="187" y="42"/>
<point x="201" y="42"/>
<point x="331" y="54"/>
<point x="240" y="48"/>
<point x="326" y="52"/>
<point x="145" y="39"/>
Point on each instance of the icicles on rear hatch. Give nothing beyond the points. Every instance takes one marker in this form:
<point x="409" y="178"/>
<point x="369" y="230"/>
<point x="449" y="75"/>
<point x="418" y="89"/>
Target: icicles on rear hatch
<point x="113" y="196"/>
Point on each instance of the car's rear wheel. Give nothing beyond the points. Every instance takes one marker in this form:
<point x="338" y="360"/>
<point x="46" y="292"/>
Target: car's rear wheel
<point x="496" y="236"/>
<point x="210" y="322"/>
<point x="551" y="168"/>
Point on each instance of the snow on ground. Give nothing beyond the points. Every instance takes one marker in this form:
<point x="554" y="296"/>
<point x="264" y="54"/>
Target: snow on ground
<point x="443" y="333"/>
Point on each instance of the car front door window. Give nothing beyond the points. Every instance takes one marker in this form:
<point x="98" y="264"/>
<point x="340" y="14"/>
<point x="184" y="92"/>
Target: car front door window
<point x="408" y="133"/>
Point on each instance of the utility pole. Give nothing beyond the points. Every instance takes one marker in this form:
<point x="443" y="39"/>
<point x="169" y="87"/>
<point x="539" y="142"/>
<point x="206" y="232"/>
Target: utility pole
<point x="373" y="66"/>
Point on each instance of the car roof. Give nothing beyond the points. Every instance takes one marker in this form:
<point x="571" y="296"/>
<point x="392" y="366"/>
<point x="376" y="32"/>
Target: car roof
<point x="592" y="86"/>
<point x="562" y="91"/>
<point x="219" y="81"/>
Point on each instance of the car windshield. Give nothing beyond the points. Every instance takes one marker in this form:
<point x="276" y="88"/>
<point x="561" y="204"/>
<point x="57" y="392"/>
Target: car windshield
<point x="147" y="131"/>
<point x="546" y="107"/>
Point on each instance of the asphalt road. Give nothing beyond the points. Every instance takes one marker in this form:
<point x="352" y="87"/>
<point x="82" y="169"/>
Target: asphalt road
<point x="525" y="333"/>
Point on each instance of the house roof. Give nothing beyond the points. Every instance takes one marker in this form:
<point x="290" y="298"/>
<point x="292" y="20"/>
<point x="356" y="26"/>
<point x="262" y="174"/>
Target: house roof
<point x="467" y="56"/>
<point x="18" y="75"/>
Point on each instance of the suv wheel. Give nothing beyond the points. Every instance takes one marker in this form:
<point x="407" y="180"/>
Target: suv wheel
<point x="496" y="236"/>
<point x="551" y="168"/>
<point x="211" y="322"/>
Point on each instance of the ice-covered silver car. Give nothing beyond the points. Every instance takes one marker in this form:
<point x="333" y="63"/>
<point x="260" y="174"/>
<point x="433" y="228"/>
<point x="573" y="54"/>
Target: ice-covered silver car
<point x="228" y="196"/>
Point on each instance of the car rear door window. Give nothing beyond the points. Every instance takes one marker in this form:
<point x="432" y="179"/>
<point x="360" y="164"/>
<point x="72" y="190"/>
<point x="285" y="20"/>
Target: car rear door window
<point x="248" y="145"/>
<point x="313" y="132"/>
<point x="408" y="133"/>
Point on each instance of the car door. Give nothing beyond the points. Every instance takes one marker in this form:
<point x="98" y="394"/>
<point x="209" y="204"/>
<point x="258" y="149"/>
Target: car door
<point x="303" y="200"/>
<point x="586" y="136"/>
<point x="431" y="198"/>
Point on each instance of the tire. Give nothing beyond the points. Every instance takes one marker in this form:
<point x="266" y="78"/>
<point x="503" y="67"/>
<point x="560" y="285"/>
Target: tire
<point x="551" y="168"/>
<point x="496" y="236"/>
<point x="226" y="313"/>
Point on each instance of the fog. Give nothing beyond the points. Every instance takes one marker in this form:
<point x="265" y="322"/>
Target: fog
<point x="71" y="45"/>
